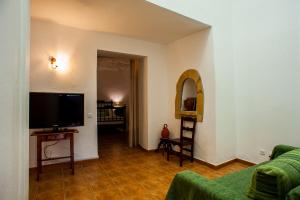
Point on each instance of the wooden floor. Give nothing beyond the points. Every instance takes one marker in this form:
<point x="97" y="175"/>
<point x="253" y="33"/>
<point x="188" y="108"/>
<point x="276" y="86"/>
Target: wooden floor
<point x="121" y="173"/>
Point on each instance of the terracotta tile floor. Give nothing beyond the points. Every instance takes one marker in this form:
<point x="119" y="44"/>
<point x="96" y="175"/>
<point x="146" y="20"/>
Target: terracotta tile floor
<point x="121" y="173"/>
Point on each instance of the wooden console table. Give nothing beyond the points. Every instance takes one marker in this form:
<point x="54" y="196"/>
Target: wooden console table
<point x="47" y="136"/>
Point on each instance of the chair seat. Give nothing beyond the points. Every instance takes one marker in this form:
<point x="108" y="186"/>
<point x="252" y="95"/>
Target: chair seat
<point x="176" y="141"/>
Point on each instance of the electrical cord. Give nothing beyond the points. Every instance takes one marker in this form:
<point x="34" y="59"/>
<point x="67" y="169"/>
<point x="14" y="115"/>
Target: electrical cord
<point x="47" y="146"/>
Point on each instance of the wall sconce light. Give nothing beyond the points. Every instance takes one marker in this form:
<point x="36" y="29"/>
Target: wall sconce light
<point x="52" y="62"/>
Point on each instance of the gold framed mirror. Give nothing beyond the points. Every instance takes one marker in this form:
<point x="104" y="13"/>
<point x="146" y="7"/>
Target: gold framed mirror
<point x="189" y="95"/>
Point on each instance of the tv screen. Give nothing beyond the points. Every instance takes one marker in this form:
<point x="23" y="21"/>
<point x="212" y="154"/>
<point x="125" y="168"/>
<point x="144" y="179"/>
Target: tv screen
<point x="52" y="110"/>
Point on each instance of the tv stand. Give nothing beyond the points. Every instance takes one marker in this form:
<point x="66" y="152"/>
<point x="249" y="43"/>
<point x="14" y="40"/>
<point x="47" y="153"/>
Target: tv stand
<point x="55" y="129"/>
<point x="54" y="135"/>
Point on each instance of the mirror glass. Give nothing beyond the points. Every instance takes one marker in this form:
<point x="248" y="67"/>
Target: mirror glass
<point x="189" y="95"/>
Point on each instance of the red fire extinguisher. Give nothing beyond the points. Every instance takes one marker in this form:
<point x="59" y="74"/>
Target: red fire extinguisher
<point x="165" y="131"/>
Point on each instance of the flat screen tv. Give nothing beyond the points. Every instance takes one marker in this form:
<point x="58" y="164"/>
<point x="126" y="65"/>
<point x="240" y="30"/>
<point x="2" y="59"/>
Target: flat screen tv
<point x="55" y="110"/>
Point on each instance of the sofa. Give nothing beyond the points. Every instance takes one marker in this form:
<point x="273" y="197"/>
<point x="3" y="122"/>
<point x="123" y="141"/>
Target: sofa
<point x="242" y="185"/>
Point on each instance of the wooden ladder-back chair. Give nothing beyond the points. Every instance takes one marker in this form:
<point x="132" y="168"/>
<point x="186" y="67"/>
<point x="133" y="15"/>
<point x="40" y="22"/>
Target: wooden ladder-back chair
<point x="184" y="143"/>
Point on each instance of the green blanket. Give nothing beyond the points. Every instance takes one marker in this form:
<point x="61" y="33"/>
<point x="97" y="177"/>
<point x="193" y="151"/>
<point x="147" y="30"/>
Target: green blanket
<point x="188" y="185"/>
<point x="185" y="186"/>
<point x="294" y="194"/>
<point x="273" y="180"/>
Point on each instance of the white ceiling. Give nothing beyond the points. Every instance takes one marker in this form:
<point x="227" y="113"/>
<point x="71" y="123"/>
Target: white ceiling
<point x="133" y="18"/>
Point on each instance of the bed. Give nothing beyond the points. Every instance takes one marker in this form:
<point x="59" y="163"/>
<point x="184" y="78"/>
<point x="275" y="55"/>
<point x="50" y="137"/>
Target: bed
<point x="110" y="115"/>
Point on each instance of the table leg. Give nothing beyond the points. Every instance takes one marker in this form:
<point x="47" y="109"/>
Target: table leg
<point x="72" y="151"/>
<point x="39" y="158"/>
<point x="169" y="149"/>
<point x="164" y="148"/>
<point x="158" y="146"/>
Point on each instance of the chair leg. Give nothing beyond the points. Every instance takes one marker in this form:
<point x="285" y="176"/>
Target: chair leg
<point x="180" y="157"/>
<point x="169" y="149"/>
<point x="164" y="148"/>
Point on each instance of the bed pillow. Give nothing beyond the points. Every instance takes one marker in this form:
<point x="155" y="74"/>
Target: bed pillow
<point x="273" y="180"/>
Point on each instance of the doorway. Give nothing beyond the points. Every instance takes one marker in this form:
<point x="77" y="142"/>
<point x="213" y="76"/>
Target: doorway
<point x="118" y="100"/>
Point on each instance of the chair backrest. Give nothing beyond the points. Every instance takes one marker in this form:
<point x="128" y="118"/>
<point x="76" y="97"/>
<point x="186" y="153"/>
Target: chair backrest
<point x="186" y="129"/>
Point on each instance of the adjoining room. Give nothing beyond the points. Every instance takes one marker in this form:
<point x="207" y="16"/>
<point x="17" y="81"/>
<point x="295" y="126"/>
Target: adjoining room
<point x="118" y="100"/>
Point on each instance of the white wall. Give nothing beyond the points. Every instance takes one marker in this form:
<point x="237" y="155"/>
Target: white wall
<point x="80" y="48"/>
<point x="256" y="59"/>
<point x="266" y="52"/>
<point x="194" y="52"/>
<point x="216" y="13"/>
<point x="113" y="82"/>
<point x="14" y="21"/>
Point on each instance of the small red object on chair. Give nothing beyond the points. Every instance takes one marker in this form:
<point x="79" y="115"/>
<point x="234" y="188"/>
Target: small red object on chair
<point x="165" y="131"/>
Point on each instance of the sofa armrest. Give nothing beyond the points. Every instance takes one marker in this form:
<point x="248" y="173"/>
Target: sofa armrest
<point x="188" y="185"/>
<point x="281" y="149"/>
